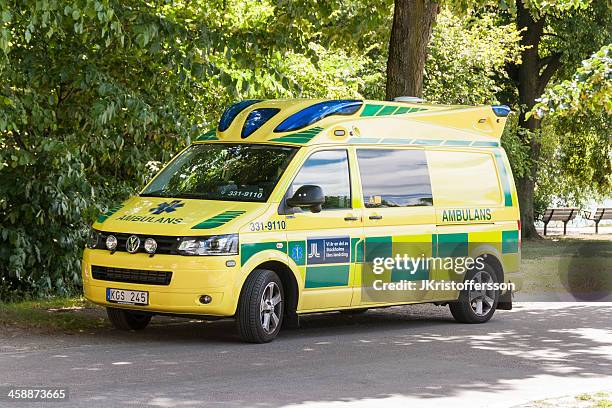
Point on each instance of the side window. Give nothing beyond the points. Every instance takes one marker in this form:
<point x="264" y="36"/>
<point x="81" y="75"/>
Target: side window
<point x="329" y="170"/>
<point x="394" y="178"/>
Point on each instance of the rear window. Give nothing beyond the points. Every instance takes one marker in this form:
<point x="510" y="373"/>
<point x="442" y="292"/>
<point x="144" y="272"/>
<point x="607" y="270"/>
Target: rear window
<point x="464" y="178"/>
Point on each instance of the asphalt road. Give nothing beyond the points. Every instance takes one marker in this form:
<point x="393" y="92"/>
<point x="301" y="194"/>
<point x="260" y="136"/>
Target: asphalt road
<point x="407" y="356"/>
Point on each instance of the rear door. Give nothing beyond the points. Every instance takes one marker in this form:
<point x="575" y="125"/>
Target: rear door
<point x="475" y="211"/>
<point x="399" y="220"/>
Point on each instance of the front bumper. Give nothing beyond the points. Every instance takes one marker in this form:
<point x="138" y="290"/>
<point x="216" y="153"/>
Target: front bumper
<point x="192" y="277"/>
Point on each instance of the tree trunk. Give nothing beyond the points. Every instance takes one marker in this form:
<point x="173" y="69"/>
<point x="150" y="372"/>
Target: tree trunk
<point x="413" y="22"/>
<point x="532" y="75"/>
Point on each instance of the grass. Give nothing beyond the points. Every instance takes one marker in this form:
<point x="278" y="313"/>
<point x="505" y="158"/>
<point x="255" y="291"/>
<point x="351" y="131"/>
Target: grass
<point x="581" y="267"/>
<point x="57" y="314"/>
<point x="549" y="266"/>
<point x="597" y="400"/>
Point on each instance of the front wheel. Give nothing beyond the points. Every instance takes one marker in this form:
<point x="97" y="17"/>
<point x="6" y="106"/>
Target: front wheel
<point x="260" y="309"/>
<point x="127" y="320"/>
<point x="477" y="306"/>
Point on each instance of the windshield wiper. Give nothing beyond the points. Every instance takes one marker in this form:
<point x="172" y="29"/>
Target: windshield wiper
<point x="159" y="193"/>
<point x="192" y="195"/>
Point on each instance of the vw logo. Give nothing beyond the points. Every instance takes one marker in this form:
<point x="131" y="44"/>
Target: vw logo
<point x="132" y="244"/>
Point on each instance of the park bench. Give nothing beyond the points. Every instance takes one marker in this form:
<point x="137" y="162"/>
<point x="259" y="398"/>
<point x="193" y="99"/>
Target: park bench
<point x="600" y="215"/>
<point x="559" y="214"/>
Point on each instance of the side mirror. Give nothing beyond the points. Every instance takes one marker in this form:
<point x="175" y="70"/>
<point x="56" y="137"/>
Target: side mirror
<point x="308" y="196"/>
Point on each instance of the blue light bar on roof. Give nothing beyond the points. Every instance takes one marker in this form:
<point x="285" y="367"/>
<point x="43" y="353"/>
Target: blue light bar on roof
<point x="501" y="110"/>
<point x="256" y="119"/>
<point x="230" y="113"/>
<point x="316" y="112"/>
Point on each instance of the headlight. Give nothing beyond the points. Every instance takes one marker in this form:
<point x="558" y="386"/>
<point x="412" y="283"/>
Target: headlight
<point x="214" y="245"/>
<point x="93" y="239"/>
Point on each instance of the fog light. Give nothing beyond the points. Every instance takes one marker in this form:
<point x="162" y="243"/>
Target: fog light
<point x="111" y="243"/>
<point x="150" y="245"/>
<point x="205" y="299"/>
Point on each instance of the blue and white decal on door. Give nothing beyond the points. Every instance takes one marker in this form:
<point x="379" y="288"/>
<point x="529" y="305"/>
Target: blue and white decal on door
<point x="330" y="250"/>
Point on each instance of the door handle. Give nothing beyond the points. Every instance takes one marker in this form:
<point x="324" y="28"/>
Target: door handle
<point x="376" y="217"/>
<point x="351" y="218"/>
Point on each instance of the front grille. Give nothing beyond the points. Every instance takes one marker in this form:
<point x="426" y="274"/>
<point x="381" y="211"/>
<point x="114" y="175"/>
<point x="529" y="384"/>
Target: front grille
<point x="131" y="275"/>
<point x="165" y="244"/>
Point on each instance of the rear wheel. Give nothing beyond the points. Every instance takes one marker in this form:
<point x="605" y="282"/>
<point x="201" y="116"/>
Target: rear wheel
<point x="127" y="320"/>
<point x="260" y="309"/>
<point x="476" y="306"/>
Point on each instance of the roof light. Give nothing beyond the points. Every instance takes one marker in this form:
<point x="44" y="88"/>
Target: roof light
<point x="501" y="110"/>
<point x="256" y="119"/>
<point x="230" y="113"/>
<point x="318" y="111"/>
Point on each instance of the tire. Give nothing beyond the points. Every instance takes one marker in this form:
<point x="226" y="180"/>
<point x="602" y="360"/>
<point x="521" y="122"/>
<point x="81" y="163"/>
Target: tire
<point x="260" y="308"/>
<point x="476" y="306"/>
<point x="127" y="320"/>
<point x="351" y="312"/>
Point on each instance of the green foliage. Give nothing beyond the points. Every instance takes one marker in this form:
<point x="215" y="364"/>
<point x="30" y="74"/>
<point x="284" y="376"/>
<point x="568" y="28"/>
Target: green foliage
<point x="91" y="92"/>
<point x="467" y="59"/>
<point x="575" y="164"/>
<point x="518" y="152"/>
<point x="588" y="92"/>
<point x="96" y="93"/>
<point x="334" y="73"/>
<point x="466" y="62"/>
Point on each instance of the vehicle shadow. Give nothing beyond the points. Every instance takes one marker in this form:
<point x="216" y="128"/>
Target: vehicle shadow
<point x="386" y="351"/>
<point x="406" y="352"/>
<point x="171" y="329"/>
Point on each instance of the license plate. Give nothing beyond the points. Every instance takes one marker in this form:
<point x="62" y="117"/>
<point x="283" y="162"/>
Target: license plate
<point x="127" y="297"/>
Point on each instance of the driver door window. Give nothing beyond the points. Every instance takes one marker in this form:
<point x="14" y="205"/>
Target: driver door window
<point x="329" y="170"/>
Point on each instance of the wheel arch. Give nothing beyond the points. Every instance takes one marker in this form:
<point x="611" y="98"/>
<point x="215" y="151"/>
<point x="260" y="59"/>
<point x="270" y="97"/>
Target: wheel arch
<point x="493" y="261"/>
<point x="491" y="256"/>
<point x="287" y="271"/>
<point x="291" y="287"/>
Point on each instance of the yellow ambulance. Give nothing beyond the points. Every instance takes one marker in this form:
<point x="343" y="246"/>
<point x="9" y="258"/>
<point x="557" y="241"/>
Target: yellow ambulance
<point x="300" y="206"/>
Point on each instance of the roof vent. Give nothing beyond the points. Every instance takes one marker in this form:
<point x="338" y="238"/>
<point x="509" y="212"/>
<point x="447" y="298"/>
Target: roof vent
<point x="408" y="99"/>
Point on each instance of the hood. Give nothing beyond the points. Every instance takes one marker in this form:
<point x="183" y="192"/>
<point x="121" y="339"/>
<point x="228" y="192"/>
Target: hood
<point x="176" y="216"/>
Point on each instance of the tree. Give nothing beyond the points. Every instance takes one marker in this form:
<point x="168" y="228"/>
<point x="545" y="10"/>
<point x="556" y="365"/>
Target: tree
<point x="576" y="115"/>
<point x="93" y="90"/>
<point x="541" y="60"/>
<point x="588" y="92"/>
<point x="545" y="51"/>
<point x="95" y="93"/>
<point x="413" y="21"/>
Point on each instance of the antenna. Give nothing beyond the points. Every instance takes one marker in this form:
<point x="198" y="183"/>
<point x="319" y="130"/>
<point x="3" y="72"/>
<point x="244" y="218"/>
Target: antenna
<point x="408" y="99"/>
